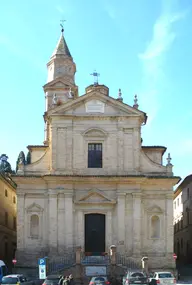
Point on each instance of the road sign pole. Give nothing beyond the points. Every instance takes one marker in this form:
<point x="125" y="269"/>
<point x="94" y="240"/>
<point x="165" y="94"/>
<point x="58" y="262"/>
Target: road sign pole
<point x="42" y="268"/>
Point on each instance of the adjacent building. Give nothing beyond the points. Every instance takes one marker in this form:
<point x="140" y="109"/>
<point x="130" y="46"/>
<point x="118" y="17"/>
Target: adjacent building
<point x="92" y="183"/>
<point x="182" y="206"/>
<point x="8" y="222"/>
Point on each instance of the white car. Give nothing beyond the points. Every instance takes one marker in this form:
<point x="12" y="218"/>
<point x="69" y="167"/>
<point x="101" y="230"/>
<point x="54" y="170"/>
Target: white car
<point x="162" y="278"/>
<point x="15" y="279"/>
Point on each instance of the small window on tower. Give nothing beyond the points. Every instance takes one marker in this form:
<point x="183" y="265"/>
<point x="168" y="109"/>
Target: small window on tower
<point x="95" y="155"/>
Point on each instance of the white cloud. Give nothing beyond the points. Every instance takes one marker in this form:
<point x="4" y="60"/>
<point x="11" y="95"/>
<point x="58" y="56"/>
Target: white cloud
<point x="153" y="58"/>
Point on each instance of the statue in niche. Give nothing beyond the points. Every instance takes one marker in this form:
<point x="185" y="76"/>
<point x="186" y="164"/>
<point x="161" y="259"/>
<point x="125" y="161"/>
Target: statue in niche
<point x="54" y="100"/>
<point x="70" y="94"/>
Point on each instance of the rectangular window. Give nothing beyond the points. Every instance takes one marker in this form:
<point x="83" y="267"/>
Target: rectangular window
<point x="175" y="205"/>
<point x="178" y="202"/>
<point x="6" y="193"/>
<point x="6" y="218"/>
<point x="95" y="155"/>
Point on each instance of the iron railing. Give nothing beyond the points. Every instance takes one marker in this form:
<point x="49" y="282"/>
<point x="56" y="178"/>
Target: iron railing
<point x="95" y="260"/>
<point x="127" y="262"/>
<point x="59" y="263"/>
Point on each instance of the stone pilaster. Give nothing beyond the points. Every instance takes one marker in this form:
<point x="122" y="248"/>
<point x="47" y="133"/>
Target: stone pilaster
<point x="120" y="150"/>
<point x="69" y="148"/>
<point x="108" y="229"/>
<point x="69" y="220"/>
<point x="53" y="148"/>
<point x="53" y="221"/>
<point x="121" y="221"/>
<point x="136" y="147"/>
<point x="129" y="223"/>
<point x="169" y="230"/>
<point x="61" y="222"/>
<point x="136" y="224"/>
<point x="80" y="229"/>
<point x="20" y="220"/>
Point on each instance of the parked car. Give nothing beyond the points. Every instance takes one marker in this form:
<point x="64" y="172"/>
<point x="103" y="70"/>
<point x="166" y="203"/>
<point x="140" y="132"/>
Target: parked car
<point x="135" y="277"/>
<point x="162" y="278"/>
<point x="51" y="280"/>
<point x="16" y="279"/>
<point x="99" y="280"/>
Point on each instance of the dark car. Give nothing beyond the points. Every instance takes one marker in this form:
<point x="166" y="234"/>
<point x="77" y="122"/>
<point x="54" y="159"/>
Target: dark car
<point x="136" y="277"/>
<point x="99" y="280"/>
<point x="51" y="280"/>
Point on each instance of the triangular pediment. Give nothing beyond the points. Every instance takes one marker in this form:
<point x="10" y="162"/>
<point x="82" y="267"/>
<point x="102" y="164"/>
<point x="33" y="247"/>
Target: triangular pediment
<point x="95" y="196"/>
<point x="34" y="208"/>
<point x="95" y="103"/>
<point x="58" y="83"/>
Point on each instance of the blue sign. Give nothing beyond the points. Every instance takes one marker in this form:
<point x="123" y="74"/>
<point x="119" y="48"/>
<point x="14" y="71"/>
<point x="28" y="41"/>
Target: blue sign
<point x="41" y="261"/>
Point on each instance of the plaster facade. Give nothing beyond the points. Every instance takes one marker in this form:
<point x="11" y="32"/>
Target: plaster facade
<point x="8" y="213"/>
<point x="182" y="206"/>
<point x="133" y="189"/>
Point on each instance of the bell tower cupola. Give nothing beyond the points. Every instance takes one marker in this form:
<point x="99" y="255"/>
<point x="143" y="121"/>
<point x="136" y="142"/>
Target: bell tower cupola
<point x="60" y="86"/>
<point x="61" y="63"/>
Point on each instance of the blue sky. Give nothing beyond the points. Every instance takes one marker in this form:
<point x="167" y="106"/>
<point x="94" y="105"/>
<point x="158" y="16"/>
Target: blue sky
<point x="141" y="46"/>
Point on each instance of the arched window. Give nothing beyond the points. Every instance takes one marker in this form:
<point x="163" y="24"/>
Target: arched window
<point x="34" y="226"/>
<point x="155" y="227"/>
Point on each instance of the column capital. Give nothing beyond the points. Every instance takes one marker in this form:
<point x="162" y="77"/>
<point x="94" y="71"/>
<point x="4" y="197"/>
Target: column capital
<point x="52" y="193"/>
<point x="121" y="194"/>
<point x="20" y="193"/>
<point x="169" y="195"/>
<point x="136" y="194"/>
<point x="68" y="194"/>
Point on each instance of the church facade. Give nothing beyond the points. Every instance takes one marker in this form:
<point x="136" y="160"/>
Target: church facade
<point x="92" y="183"/>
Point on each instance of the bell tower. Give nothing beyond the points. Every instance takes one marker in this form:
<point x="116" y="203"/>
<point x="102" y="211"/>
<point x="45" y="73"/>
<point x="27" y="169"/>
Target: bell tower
<point x="60" y="86"/>
<point x="61" y="63"/>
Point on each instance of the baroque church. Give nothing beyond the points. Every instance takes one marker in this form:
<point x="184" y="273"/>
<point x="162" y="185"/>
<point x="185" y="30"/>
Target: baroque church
<point x="92" y="183"/>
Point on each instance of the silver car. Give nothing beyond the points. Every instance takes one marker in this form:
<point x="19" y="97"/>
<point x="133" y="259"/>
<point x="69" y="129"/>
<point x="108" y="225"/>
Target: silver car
<point x="162" y="278"/>
<point x="15" y="279"/>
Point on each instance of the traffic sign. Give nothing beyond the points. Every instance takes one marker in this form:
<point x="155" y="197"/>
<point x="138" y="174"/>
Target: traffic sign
<point x="14" y="261"/>
<point x="174" y="256"/>
<point x="41" y="261"/>
<point x="42" y="271"/>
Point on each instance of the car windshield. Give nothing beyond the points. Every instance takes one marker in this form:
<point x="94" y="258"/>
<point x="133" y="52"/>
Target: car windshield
<point x="102" y="279"/>
<point x="165" y="275"/>
<point x="9" y="280"/>
<point x="137" y="274"/>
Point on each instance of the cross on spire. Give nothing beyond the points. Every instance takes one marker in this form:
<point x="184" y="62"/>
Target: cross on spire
<point x="95" y="76"/>
<point x="62" y="22"/>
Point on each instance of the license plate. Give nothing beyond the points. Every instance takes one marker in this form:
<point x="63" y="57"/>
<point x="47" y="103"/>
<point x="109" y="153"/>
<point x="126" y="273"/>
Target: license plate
<point x="137" y="282"/>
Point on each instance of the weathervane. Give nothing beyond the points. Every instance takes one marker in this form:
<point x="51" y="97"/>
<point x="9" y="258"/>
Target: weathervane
<point x="95" y="76"/>
<point x="62" y="28"/>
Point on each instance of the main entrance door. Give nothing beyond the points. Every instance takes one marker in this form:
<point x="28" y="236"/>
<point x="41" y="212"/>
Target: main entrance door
<point x="95" y="233"/>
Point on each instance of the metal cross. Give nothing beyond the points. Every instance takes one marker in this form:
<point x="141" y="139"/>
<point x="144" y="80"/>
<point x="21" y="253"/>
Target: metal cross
<point x="62" y="28"/>
<point x="95" y="76"/>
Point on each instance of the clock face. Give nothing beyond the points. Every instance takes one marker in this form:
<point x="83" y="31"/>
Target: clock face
<point x="60" y="69"/>
<point x="64" y="70"/>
